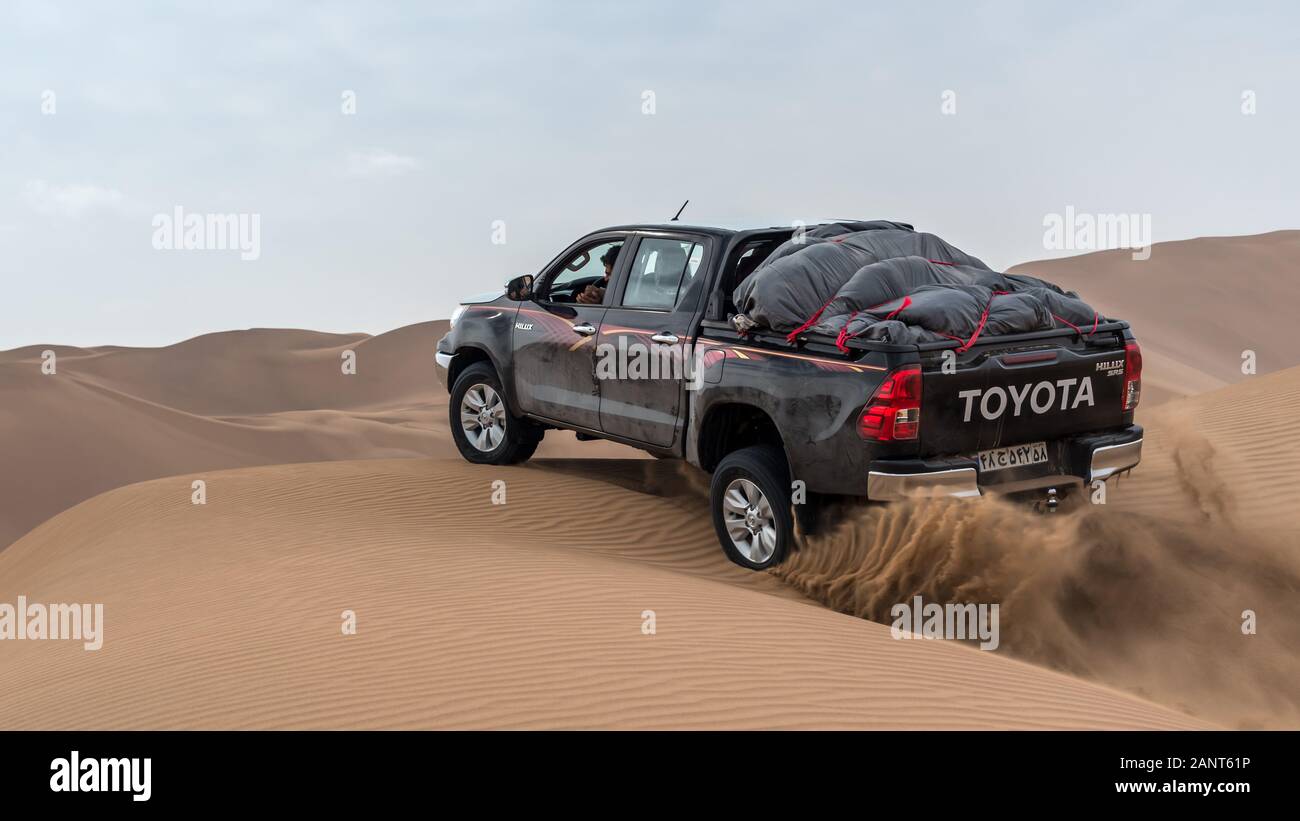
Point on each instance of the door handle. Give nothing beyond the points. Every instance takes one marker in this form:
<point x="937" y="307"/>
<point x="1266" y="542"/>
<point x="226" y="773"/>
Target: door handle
<point x="665" y="338"/>
<point x="585" y="329"/>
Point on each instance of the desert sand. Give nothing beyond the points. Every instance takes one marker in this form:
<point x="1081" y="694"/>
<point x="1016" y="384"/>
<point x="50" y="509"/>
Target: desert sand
<point x="329" y="493"/>
<point x="470" y="614"/>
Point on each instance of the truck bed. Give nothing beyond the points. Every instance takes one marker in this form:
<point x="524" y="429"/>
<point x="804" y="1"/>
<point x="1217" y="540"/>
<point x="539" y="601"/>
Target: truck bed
<point x="1004" y="390"/>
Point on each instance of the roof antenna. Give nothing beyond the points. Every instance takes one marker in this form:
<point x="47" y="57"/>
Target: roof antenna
<point x="679" y="211"/>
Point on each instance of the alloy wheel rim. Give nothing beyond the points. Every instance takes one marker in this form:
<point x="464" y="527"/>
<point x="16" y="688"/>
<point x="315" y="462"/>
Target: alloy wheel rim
<point x="749" y="520"/>
<point x="483" y="417"/>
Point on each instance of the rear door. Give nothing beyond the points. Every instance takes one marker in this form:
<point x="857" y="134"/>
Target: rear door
<point x="1002" y="396"/>
<point x="644" y="356"/>
<point x="555" y="336"/>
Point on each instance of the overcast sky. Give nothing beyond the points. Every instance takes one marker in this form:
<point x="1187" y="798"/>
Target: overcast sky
<point x="535" y="114"/>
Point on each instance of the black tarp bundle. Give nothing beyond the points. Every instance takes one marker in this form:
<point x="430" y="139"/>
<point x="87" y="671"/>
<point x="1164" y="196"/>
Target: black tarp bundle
<point x="883" y="281"/>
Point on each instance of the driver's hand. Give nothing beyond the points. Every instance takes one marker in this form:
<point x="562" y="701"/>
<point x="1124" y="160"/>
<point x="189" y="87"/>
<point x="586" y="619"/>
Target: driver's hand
<point x="592" y="295"/>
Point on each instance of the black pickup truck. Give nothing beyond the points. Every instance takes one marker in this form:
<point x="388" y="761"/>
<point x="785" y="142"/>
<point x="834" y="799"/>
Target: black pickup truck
<point x="625" y="336"/>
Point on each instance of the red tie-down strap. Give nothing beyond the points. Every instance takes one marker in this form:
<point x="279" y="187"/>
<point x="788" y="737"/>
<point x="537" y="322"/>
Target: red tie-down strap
<point x="907" y="301"/>
<point x="842" y="340"/>
<point x="1096" y="319"/>
<point x="984" y="317"/>
<point x="793" y="335"/>
<point x="979" y="327"/>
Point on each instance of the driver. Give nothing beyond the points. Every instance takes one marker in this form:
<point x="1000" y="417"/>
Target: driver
<point x="594" y="294"/>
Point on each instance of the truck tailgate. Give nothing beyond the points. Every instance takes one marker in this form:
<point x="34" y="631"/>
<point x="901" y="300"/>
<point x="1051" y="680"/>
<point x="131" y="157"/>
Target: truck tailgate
<point x="1006" y="395"/>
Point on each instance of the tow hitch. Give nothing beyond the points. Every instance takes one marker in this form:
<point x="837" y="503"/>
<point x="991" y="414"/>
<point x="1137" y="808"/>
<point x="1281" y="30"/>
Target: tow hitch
<point x="1051" y="503"/>
<point x="1048" y="504"/>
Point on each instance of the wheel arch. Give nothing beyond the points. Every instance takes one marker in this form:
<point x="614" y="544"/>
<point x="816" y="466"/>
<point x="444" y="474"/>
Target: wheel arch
<point x="467" y="355"/>
<point x="730" y="426"/>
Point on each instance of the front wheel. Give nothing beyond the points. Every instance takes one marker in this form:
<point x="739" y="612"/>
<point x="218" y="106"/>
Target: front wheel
<point x="750" y="499"/>
<point x="481" y="425"/>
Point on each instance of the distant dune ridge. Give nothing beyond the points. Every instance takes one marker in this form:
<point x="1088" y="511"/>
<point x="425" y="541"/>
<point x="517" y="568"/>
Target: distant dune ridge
<point x="1195" y="305"/>
<point x="330" y="492"/>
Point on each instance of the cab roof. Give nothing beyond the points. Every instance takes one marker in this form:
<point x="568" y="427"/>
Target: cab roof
<point x="720" y="230"/>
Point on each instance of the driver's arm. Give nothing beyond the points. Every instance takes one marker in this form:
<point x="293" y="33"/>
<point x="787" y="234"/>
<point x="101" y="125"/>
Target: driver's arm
<point x="592" y="295"/>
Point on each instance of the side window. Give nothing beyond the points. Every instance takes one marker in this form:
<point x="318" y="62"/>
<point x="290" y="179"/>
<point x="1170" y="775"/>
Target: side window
<point x="658" y="271"/>
<point x="693" y="264"/>
<point x="584" y="276"/>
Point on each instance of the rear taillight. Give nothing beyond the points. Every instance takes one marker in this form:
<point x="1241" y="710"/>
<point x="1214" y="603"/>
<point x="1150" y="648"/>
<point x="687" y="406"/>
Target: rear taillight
<point x="894" y="410"/>
<point x="1132" y="375"/>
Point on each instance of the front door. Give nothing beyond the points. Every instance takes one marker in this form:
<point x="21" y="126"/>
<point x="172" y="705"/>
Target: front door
<point x="555" y="335"/>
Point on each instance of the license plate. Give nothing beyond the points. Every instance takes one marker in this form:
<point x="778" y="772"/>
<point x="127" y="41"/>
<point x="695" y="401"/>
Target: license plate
<point x="1015" y="456"/>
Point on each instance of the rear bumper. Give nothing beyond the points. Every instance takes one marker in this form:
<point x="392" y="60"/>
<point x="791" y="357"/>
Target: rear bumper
<point x="442" y="367"/>
<point x="1076" y="460"/>
<point x="1108" y="460"/>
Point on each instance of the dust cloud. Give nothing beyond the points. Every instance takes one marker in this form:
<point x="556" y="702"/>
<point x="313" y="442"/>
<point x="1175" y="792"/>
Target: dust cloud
<point x="1150" y="604"/>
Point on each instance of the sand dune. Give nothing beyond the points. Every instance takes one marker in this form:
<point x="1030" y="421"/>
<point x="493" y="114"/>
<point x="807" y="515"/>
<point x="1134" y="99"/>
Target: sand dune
<point x="111" y="416"/>
<point x="1195" y="305"/>
<point x="470" y="614"/>
<point x="1229" y="454"/>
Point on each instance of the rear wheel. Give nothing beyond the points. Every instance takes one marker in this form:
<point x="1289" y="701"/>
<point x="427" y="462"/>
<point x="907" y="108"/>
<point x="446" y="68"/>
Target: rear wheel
<point x="750" y="500"/>
<point x="481" y="424"/>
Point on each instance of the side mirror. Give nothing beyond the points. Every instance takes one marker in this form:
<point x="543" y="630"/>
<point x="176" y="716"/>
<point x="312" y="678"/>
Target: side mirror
<point x="520" y="288"/>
